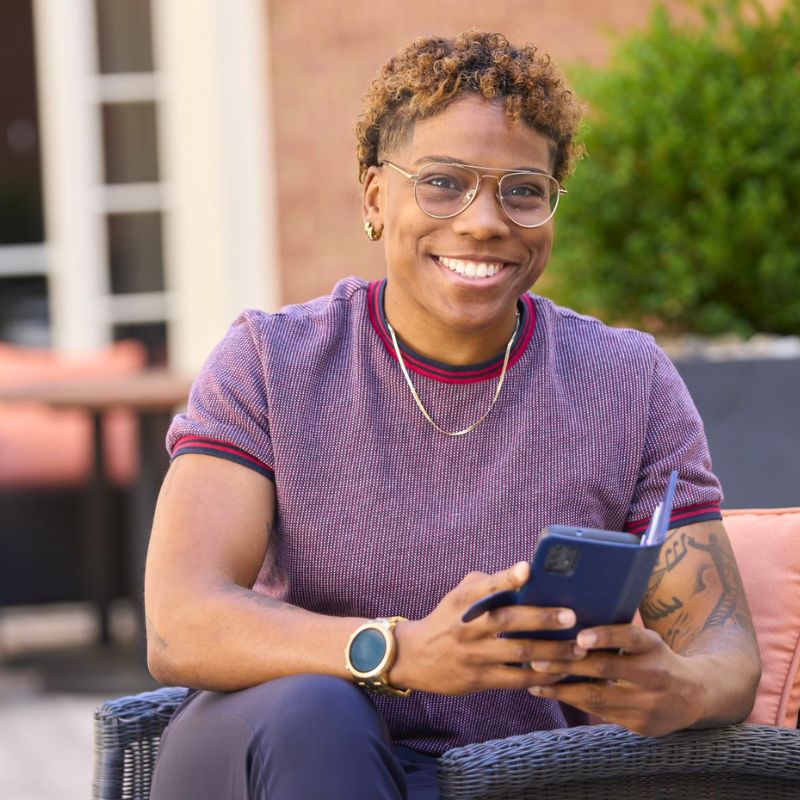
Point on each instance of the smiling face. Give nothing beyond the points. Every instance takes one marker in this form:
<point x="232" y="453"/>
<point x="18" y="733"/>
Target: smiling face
<point x="453" y="283"/>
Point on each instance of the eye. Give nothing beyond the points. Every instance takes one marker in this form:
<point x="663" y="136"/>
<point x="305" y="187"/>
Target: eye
<point x="442" y="181"/>
<point x="528" y="192"/>
<point x="445" y="179"/>
<point x="532" y="189"/>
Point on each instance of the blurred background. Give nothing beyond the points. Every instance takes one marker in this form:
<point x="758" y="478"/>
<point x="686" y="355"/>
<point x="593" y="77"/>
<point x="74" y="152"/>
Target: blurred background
<point x="167" y="163"/>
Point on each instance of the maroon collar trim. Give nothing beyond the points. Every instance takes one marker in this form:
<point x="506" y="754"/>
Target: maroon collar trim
<point x="448" y="373"/>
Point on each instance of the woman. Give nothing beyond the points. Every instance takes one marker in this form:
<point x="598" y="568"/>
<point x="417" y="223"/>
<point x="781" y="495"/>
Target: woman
<point x="354" y="472"/>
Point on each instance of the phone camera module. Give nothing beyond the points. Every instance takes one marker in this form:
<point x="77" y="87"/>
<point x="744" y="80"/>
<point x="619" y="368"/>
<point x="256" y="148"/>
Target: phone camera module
<point x="561" y="559"/>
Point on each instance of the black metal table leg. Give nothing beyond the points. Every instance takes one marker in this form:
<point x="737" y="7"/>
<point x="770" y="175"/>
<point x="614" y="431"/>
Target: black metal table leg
<point x="98" y="563"/>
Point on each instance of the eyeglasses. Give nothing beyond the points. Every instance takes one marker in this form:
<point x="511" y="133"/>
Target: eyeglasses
<point x="443" y="190"/>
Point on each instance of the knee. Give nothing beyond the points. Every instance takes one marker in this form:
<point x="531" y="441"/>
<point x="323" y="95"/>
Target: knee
<point x="294" y="731"/>
<point x="300" y="705"/>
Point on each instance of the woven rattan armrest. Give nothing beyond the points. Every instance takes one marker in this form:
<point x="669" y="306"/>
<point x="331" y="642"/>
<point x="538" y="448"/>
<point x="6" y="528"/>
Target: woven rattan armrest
<point x="608" y="761"/>
<point x="127" y="733"/>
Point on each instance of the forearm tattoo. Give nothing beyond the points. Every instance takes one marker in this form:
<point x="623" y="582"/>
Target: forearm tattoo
<point x="711" y="594"/>
<point x="677" y="630"/>
<point x="731" y="605"/>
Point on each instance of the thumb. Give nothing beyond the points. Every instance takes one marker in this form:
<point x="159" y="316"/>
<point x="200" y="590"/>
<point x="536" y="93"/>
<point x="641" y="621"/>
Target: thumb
<point x="511" y="578"/>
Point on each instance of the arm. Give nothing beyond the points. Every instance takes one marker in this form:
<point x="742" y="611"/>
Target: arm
<point x="207" y="629"/>
<point x="697" y="665"/>
<point x="696" y="602"/>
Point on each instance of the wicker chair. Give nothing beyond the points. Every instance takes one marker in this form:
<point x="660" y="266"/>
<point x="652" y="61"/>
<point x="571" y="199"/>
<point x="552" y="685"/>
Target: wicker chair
<point x="599" y="761"/>
<point x="753" y="761"/>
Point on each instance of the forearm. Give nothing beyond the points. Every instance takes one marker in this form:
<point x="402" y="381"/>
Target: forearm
<point x="229" y="638"/>
<point x="696" y="603"/>
<point x="211" y="533"/>
<point x="726" y="673"/>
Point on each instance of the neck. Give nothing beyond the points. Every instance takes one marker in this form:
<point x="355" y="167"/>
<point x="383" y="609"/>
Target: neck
<point x="433" y="339"/>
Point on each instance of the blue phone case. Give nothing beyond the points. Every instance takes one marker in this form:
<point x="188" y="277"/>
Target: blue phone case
<point x="604" y="586"/>
<point x="603" y="581"/>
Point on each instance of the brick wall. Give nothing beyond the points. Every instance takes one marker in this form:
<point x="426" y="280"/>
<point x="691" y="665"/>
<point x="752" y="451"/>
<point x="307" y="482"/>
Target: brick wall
<point x="324" y="54"/>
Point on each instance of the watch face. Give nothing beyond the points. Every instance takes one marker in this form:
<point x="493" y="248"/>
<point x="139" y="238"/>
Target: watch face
<point x="367" y="650"/>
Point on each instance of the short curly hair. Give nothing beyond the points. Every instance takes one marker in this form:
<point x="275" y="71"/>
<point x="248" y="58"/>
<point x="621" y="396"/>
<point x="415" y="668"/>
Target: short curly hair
<point x="433" y="72"/>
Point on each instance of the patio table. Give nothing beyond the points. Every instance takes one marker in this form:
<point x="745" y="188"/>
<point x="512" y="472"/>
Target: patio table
<point x="153" y="396"/>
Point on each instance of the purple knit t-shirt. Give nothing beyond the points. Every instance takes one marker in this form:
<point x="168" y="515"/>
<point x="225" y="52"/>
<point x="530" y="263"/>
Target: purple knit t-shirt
<point x="379" y="514"/>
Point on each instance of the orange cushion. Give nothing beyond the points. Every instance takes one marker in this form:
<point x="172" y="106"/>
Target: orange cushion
<point x="766" y="543"/>
<point x="41" y="446"/>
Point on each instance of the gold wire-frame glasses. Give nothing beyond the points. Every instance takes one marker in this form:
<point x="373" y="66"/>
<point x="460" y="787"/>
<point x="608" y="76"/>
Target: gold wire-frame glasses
<point x="444" y="189"/>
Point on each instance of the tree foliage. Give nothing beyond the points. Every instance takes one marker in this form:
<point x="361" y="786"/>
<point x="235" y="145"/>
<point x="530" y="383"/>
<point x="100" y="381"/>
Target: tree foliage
<point x="685" y="215"/>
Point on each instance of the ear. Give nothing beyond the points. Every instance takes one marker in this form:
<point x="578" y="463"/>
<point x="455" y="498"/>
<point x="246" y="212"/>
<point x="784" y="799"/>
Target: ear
<point x="373" y="198"/>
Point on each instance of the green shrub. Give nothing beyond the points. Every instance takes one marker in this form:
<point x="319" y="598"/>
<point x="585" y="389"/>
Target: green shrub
<point x="685" y="215"/>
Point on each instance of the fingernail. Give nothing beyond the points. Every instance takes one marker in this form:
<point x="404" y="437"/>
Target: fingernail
<point x="578" y="651"/>
<point x="566" y="617"/>
<point x="541" y="666"/>
<point x="535" y="690"/>
<point x="521" y="570"/>
<point x="586" y="638"/>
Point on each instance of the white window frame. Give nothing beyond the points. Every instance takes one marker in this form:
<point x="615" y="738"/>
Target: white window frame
<point x="23" y="260"/>
<point x="217" y="188"/>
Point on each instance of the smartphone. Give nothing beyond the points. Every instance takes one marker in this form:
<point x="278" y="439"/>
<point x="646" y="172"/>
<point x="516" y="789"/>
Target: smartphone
<point x="601" y="575"/>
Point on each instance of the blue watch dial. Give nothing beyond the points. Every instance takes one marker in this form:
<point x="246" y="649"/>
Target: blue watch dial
<point x="367" y="650"/>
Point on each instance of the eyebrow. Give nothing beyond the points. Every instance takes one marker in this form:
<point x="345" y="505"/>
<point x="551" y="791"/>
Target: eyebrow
<point x="450" y="160"/>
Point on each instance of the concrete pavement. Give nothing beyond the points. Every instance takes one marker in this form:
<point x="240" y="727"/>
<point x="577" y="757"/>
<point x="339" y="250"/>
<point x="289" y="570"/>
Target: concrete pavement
<point x="48" y="668"/>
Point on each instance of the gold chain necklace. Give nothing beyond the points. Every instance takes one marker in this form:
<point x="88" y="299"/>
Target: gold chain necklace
<point x="419" y="402"/>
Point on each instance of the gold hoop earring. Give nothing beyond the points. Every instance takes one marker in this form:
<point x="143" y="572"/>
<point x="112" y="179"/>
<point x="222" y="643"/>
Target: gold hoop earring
<point x="372" y="234"/>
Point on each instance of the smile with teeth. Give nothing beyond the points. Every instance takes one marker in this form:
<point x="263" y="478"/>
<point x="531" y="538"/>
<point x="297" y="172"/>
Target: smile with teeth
<point x="471" y="269"/>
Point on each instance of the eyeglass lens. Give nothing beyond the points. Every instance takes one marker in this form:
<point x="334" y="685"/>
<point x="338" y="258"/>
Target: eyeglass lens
<point x="444" y="190"/>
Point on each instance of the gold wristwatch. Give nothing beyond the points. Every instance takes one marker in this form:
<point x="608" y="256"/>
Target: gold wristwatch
<point x="371" y="653"/>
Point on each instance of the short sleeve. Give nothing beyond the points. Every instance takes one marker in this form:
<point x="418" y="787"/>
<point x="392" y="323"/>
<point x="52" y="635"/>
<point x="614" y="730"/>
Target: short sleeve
<point x="675" y="440"/>
<point x="227" y="414"/>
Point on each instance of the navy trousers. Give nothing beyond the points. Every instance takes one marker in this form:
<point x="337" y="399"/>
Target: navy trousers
<point x="304" y="737"/>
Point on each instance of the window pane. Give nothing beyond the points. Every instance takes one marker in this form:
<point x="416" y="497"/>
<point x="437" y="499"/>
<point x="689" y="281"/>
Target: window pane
<point x="124" y="36"/>
<point x="21" y="218"/>
<point x="130" y="142"/>
<point x="24" y="313"/>
<point x="135" y="253"/>
<point x="152" y="334"/>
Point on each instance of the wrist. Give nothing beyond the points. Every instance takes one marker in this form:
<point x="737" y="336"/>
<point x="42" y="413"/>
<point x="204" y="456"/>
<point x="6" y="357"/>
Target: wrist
<point x="696" y="688"/>
<point x="402" y="671"/>
<point x="715" y="693"/>
<point x="371" y="653"/>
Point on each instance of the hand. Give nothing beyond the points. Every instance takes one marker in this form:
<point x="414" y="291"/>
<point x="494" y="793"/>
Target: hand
<point x="442" y="654"/>
<point x="647" y="688"/>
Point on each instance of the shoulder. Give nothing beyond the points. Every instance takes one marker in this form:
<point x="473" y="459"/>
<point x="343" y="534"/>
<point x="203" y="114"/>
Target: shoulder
<point x="580" y="340"/>
<point x="303" y="327"/>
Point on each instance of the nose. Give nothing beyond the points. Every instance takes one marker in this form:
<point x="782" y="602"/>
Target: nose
<point x="484" y="217"/>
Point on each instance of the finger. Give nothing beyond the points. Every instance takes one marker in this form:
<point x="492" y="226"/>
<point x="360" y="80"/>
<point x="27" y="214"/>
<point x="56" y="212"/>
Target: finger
<point x="602" y="698"/>
<point x="524" y="651"/>
<point x="511" y="677"/>
<point x="604" y="666"/>
<point x="476" y="585"/>
<point x="519" y="619"/>
<point x="630" y="638"/>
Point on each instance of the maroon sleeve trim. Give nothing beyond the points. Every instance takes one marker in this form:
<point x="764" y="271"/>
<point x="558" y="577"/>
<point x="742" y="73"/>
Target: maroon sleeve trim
<point x="208" y="447"/>
<point x="680" y="516"/>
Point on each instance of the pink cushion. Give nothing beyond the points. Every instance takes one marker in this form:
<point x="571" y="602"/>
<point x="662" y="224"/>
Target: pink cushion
<point x="766" y="543"/>
<point x="41" y="446"/>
